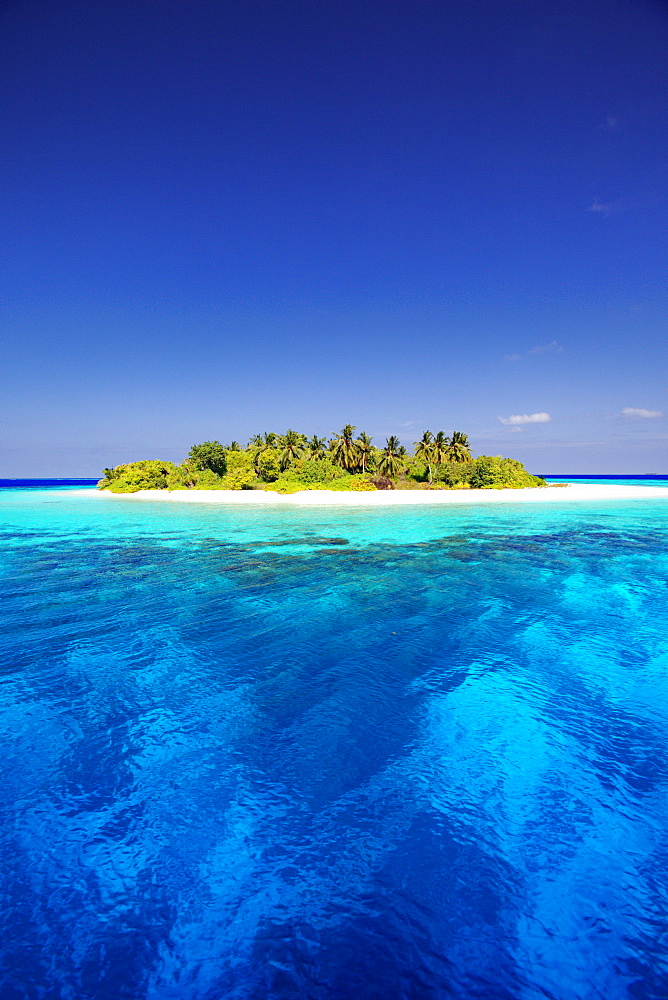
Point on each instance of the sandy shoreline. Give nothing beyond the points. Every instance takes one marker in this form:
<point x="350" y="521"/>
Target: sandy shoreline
<point x="398" y="498"/>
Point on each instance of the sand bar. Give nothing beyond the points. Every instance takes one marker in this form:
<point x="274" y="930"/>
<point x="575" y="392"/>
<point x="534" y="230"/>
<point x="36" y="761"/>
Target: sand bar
<point x="583" y="493"/>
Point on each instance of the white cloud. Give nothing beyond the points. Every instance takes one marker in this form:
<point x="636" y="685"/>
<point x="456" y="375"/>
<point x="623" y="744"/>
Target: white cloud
<point x="617" y="206"/>
<point x="552" y="348"/>
<point x="526" y="418"/>
<point x="600" y="207"/>
<point x="633" y="411"/>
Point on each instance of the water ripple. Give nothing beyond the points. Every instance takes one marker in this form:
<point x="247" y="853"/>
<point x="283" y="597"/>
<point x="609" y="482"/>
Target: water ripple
<point x="333" y="754"/>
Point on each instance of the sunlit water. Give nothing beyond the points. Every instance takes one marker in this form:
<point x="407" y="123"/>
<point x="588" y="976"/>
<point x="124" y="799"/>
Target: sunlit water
<point x="327" y="753"/>
<point x="653" y="480"/>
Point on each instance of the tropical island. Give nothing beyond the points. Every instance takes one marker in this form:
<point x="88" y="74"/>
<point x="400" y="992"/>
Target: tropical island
<point x="293" y="462"/>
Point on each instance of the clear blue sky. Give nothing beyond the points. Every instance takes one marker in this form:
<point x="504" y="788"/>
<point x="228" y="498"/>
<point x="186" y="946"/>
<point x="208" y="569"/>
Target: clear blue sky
<point x="223" y="218"/>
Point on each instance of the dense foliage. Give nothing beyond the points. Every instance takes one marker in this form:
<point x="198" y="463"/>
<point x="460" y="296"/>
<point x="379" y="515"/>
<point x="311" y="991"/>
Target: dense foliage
<point x="287" y="463"/>
<point x="210" y="455"/>
<point x="133" y="476"/>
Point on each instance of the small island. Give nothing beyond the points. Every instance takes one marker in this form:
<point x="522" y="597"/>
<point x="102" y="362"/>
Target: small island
<point x="292" y="463"/>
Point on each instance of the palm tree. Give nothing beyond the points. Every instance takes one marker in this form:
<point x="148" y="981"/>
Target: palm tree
<point x="292" y="448"/>
<point x="458" y="448"/>
<point x="390" y="462"/>
<point x="344" y="448"/>
<point x="440" y="447"/>
<point x="316" y="447"/>
<point x="257" y="445"/>
<point x="363" y="443"/>
<point x="424" y="450"/>
<point x="235" y="446"/>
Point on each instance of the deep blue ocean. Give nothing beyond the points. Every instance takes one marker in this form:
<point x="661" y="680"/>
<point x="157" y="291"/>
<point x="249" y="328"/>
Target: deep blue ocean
<point x="328" y="753"/>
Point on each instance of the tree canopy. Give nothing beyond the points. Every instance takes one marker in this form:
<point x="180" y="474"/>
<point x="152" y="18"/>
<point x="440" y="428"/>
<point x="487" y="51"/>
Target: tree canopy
<point x="292" y="461"/>
<point x="210" y="455"/>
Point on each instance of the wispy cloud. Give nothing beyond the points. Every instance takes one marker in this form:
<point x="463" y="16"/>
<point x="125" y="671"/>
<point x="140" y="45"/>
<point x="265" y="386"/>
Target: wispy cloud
<point x="516" y="419"/>
<point x="552" y="348"/>
<point x="601" y="208"/>
<point x="640" y="198"/>
<point x="635" y="411"/>
<point x="611" y="123"/>
<point x="620" y="205"/>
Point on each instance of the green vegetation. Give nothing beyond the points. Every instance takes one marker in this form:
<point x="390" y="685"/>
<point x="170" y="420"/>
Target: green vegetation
<point x="391" y="461"/>
<point x="148" y="475"/>
<point x="290" y="462"/>
<point x="499" y="473"/>
<point x="211" y="456"/>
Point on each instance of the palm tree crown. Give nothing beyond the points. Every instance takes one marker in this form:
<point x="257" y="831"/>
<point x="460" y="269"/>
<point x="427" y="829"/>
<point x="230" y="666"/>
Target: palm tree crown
<point x="424" y="450"/>
<point x="258" y="445"/>
<point x="364" y="450"/>
<point x="291" y="446"/>
<point x="390" y="461"/>
<point x="344" y="448"/>
<point x="440" y="446"/>
<point x="458" y="448"/>
<point x="316" y="447"/>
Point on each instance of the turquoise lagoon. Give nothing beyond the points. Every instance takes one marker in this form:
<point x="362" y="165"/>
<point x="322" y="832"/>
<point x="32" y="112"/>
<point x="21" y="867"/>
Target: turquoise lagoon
<point x="320" y="753"/>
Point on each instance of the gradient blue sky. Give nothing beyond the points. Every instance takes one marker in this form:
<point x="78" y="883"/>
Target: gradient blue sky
<point x="222" y="218"/>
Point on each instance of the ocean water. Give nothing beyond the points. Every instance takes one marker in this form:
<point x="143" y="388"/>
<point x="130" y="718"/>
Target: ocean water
<point x="647" y="480"/>
<point x="330" y="753"/>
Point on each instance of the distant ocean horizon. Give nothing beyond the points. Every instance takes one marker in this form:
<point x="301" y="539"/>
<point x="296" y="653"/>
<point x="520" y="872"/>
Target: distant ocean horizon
<point x="40" y="484"/>
<point x="332" y="752"/>
<point x="612" y="479"/>
<point x="645" y="479"/>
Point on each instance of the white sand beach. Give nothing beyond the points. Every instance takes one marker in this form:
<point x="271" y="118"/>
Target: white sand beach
<point x="583" y="493"/>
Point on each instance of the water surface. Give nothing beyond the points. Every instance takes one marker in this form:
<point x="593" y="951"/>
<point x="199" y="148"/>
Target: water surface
<point x="333" y="752"/>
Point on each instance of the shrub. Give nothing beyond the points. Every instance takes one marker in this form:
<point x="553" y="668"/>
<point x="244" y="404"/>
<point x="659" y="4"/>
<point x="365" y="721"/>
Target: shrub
<point x="149" y="474"/>
<point x="268" y="465"/>
<point x="290" y="483"/>
<point x="240" y="473"/>
<point x="454" y="474"/>
<point x="311" y="474"/>
<point x="358" y="484"/>
<point x="316" y="470"/>
<point x="494" y="472"/>
<point x="284" y="486"/>
<point x="208" y="456"/>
